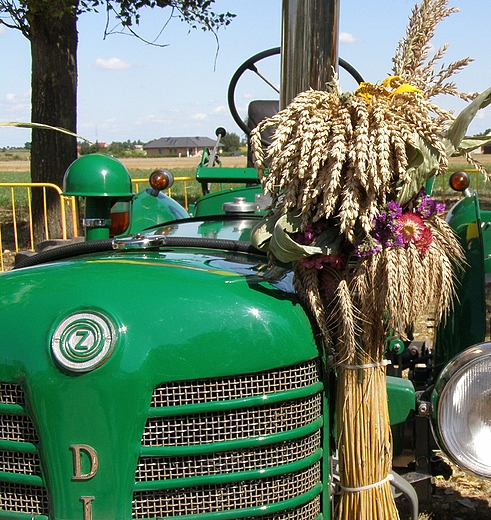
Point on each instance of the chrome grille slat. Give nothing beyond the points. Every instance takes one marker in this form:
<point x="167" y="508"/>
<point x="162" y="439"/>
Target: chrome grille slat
<point x="238" y="495"/>
<point x="19" y="498"/>
<point x="17" y="428"/>
<point x="310" y="511"/>
<point x="166" y="468"/>
<point x="187" y="430"/>
<point x="20" y="463"/>
<point x="14" y="497"/>
<point x="11" y="393"/>
<point x="236" y="387"/>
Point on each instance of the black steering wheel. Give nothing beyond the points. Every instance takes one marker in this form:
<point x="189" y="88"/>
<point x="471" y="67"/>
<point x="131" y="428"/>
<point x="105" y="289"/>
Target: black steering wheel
<point x="250" y="64"/>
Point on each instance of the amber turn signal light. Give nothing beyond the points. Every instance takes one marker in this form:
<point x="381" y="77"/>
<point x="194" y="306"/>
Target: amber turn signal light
<point x="161" y="180"/>
<point x="459" y="181"/>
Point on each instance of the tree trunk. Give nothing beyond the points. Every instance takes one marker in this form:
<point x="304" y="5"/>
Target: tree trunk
<point x="54" y="102"/>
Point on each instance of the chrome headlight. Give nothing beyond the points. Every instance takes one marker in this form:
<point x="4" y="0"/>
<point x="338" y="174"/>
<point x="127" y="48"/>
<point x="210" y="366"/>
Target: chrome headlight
<point x="462" y="409"/>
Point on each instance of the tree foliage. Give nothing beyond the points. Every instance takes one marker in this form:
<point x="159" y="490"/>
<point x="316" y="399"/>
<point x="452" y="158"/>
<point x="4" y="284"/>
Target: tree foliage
<point x="116" y="148"/>
<point x="51" y="28"/>
<point x="18" y="14"/>
<point x="231" y="142"/>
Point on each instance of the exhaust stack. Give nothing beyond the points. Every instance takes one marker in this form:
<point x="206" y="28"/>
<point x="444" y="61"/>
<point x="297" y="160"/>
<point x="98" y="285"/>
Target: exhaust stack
<point x="309" y="49"/>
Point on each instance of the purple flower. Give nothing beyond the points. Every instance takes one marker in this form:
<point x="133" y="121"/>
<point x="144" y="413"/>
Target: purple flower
<point x="394" y="209"/>
<point x="386" y="225"/>
<point x="427" y="206"/>
<point x="312" y="231"/>
<point x="320" y="261"/>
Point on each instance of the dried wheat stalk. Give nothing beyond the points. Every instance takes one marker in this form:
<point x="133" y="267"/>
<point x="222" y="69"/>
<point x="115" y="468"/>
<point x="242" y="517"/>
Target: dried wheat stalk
<point x="339" y="155"/>
<point x="337" y="158"/>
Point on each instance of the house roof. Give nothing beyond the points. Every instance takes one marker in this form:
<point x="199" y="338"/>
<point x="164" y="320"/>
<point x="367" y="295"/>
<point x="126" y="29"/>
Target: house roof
<point x="181" y="142"/>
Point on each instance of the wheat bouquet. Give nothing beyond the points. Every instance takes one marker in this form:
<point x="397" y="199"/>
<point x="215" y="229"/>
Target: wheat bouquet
<point x="370" y="248"/>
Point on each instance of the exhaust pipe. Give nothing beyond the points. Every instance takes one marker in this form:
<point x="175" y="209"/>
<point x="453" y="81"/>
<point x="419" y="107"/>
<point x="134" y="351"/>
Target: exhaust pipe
<point x="309" y="49"/>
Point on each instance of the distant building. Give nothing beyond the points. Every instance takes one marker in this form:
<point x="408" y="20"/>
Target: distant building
<point x="180" y="146"/>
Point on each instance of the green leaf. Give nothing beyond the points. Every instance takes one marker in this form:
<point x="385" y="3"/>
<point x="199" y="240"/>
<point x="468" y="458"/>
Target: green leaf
<point x="458" y="128"/>
<point x="43" y="127"/>
<point x="471" y="143"/>
<point x="423" y="164"/>
<point x="274" y="234"/>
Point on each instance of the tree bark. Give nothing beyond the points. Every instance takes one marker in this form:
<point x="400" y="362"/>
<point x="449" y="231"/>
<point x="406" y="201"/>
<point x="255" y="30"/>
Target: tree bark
<point x="54" y="102"/>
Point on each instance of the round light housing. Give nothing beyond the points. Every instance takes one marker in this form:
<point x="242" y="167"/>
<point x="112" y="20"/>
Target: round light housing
<point x="161" y="180"/>
<point x="459" y="181"/>
<point x="461" y="417"/>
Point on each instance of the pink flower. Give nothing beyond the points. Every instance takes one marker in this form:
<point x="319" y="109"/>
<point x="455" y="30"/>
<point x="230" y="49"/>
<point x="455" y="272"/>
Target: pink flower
<point x="425" y="241"/>
<point x="411" y="228"/>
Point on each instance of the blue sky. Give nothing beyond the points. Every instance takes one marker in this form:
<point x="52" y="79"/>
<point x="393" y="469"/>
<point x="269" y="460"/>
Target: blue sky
<point x="131" y="90"/>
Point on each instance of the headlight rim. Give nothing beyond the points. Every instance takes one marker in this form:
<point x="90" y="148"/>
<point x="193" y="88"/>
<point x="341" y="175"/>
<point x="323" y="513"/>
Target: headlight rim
<point x="445" y="382"/>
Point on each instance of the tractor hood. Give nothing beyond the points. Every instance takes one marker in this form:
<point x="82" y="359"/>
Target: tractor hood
<point x="89" y="338"/>
<point x="163" y="310"/>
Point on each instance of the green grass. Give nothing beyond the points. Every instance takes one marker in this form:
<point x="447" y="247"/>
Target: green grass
<point x="19" y="193"/>
<point x="15" y="176"/>
<point x="177" y="191"/>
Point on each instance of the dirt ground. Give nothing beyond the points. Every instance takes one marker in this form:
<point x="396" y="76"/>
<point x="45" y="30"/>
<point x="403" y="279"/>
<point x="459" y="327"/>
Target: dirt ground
<point x="178" y="162"/>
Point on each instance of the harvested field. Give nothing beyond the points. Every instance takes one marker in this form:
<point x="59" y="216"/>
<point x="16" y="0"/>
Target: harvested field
<point x="140" y="163"/>
<point x="177" y="163"/>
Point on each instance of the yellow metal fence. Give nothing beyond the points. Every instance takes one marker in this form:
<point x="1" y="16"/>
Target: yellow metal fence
<point x="16" y="216"/>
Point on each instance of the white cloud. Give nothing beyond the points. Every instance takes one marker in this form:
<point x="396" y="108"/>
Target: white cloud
<point x="17" y="105"/>
<point x="199" y="116"/>
<point x="153" y="119"/>
<point x="220" y="110"/>
<point x="345" y="37"/>
<point x="2" y="28"/>
<point x="111" y="64"/>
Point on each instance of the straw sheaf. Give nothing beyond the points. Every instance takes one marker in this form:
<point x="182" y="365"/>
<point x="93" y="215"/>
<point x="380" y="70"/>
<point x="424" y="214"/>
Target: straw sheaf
<point x="341" y="155"/>
<point x="397" y="285"/>
<point x="365" y="445"/>
<point x="341" y="158"/>
<point x="306" y="283"/>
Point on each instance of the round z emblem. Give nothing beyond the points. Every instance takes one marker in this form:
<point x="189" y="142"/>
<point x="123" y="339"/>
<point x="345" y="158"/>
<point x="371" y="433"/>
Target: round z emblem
<point x="83" y="341"/>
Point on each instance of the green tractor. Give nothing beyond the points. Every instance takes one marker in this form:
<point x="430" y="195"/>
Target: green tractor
<point x="204" y="391"/>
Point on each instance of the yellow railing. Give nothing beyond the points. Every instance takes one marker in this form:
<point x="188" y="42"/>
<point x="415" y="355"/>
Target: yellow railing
<point x="19" y="199"/>
<point x="20" y="196"/>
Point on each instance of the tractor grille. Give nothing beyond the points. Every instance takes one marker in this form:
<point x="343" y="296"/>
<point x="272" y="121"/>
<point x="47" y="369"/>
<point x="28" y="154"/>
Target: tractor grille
<point x="239" y="495"/>
<point x="230" y="425"/>
<point x="18" y="428"/>
<point x="236" y="387"/>
<point x="236" y="424"/>
<point x="19" y="498"/>
<point x="165" y="468"/>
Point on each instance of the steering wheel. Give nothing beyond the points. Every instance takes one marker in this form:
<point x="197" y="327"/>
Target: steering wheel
<point x="250" y="64"/>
